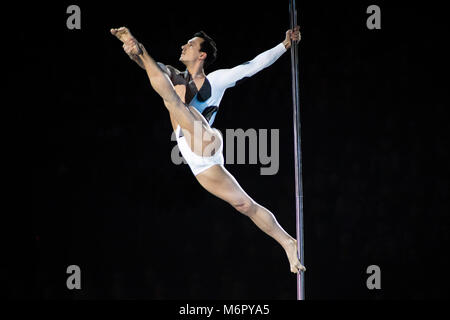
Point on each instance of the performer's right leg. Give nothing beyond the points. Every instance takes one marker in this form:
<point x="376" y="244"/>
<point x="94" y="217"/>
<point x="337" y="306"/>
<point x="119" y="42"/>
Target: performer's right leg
<point x="218" y="181"/>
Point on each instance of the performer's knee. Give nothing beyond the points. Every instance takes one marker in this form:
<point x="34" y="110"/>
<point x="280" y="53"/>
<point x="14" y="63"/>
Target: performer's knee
<point x="246" y="207"/>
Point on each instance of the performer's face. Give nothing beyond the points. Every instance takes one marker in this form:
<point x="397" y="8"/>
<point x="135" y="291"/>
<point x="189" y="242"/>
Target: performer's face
<point x="190" y="52"/>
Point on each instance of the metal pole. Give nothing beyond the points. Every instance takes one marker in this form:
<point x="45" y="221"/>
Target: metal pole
<point x="298" y="158"/>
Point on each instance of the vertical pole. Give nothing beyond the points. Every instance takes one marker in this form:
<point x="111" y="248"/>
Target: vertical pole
<point x="297" y="155"/>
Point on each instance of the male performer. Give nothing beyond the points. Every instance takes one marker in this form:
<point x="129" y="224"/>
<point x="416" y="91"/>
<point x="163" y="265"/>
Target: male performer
<point x="192" y="99"/>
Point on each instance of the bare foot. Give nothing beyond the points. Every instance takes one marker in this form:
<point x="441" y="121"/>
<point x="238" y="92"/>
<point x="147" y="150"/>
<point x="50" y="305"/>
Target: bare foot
<point x="291" y="251"/>
<point x="129" y="42"/>
<point x="122" y="33"/>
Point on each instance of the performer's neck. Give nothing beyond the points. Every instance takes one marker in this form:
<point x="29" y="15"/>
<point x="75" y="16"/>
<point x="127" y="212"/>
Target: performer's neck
<point x="196" y="71"/>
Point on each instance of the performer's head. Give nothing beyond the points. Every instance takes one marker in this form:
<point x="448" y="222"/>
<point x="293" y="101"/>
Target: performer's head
<point x="200" y="49"/>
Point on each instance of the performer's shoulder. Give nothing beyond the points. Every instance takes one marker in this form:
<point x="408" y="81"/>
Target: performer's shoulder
<point x="173" y="69"/>
<point x="218" y="77"/>
<point x="215" y="73"/>
<point x="167" y="68"/>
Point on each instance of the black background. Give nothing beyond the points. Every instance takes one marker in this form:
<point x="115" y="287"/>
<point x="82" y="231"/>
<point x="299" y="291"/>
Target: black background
<point x="91" y="142"/>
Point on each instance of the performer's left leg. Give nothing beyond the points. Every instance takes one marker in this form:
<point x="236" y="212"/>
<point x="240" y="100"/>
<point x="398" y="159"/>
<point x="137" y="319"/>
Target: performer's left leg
<point x="218" y="181"/>
<point x="160" y="82"/>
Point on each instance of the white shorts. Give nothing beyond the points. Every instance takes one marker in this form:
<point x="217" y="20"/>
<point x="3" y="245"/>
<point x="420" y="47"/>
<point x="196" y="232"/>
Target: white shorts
<point x="198" y="163"/>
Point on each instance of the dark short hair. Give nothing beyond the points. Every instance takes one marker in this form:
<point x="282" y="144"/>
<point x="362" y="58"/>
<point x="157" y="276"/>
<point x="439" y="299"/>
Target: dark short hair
<point x="208" y="46"/>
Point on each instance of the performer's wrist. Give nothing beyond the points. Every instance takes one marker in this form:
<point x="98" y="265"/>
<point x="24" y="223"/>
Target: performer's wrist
<point x="287" y="44"/>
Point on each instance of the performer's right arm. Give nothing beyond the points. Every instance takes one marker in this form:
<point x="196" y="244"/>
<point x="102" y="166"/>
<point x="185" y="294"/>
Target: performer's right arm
<point x="138" y="60"/>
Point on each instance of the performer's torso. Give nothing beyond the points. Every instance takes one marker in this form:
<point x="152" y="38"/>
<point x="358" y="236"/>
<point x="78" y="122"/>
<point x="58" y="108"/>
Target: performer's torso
<point x="206" y="99"/>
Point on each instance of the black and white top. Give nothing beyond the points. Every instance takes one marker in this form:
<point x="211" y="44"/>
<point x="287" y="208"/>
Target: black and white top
<point x="207" y="99"/>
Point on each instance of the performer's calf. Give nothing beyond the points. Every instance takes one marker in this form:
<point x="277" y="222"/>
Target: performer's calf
<point x="223" y="185"/>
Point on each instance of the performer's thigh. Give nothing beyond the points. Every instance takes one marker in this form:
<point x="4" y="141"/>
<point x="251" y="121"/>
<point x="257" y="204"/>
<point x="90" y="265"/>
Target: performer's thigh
<point x="218" y="181"/>
<point x="181" y="115"/>
<point x="199" y="117"/>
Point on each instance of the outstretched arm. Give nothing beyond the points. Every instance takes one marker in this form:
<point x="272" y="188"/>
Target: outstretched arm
<point x="227" y="78"/>
<point x="136" y="58"/>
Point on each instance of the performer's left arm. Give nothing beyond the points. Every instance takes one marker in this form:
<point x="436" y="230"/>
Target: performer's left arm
<point x="227" y="78"/>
